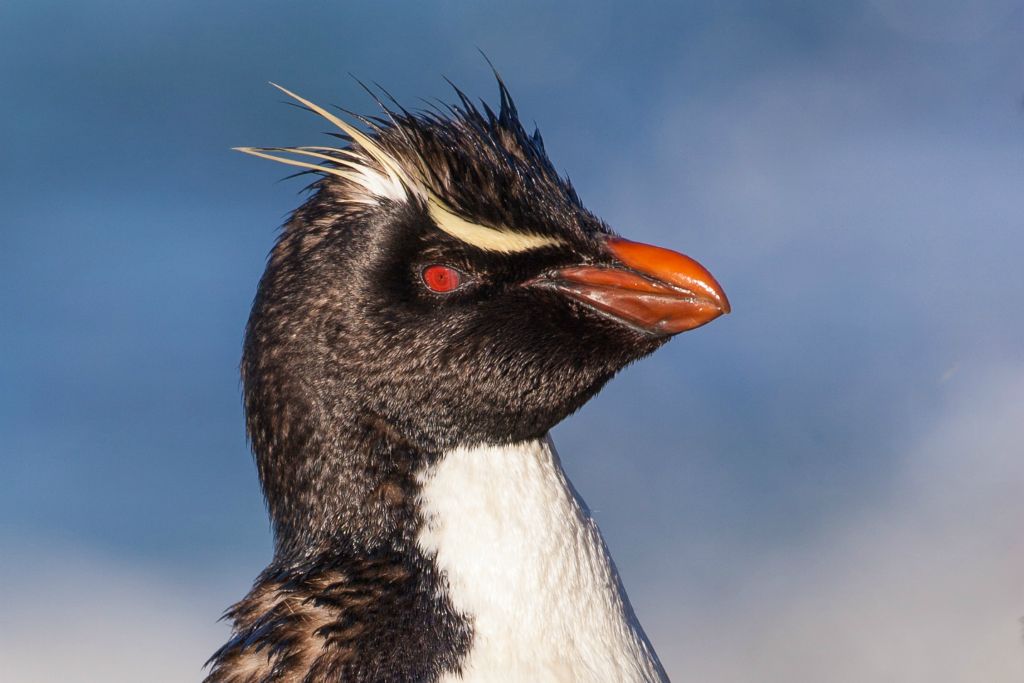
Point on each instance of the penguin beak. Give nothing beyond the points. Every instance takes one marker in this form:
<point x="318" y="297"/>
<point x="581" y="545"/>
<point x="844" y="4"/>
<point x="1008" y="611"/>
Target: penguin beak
<point x="658" y="291"/>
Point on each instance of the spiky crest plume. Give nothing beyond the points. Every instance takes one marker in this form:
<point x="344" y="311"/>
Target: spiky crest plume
<point x="472" y="170"/>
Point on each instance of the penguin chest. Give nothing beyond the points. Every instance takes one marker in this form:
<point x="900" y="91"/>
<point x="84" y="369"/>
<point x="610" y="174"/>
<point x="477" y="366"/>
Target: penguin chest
<point x="526" y="565"/>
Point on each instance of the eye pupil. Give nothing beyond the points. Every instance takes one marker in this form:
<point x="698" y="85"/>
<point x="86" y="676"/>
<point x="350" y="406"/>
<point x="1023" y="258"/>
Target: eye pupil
<point x="441" y="279"/>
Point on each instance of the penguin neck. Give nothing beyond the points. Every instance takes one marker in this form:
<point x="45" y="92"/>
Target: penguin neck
<point x="349" y="594"/>
<point x="525" y="563"/>
<point x="509" y="548"/>
<point x="341" y="485"/>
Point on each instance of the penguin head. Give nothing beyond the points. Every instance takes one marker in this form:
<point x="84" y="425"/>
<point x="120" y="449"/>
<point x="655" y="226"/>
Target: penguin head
<point x="445" y="279"/>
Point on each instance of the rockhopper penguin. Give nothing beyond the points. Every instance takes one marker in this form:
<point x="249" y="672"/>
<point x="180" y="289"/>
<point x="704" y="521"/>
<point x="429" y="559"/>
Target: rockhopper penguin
<point x="440" y="302"/>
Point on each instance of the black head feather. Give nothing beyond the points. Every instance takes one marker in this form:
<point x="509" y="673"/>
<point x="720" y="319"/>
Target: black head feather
<point x="342" y="316"/>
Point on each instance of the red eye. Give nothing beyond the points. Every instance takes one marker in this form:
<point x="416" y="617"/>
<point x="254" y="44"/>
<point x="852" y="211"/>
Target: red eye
<point x="441" y="279"/>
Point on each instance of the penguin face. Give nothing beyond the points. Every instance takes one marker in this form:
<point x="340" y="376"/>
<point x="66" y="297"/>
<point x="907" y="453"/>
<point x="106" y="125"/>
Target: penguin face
<point x="445" y="279"/>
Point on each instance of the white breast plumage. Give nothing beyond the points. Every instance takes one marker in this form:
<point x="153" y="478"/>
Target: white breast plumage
<point x="526" y="564"/>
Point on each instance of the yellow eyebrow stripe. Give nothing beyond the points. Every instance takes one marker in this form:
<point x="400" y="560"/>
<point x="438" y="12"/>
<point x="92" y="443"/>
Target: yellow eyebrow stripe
<point x="487" y="238"/>
<point x="396" y="181"/>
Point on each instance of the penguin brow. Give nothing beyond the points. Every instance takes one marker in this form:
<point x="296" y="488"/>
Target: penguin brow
<point x="484" y="237"/>
<point x="376" y="173"/>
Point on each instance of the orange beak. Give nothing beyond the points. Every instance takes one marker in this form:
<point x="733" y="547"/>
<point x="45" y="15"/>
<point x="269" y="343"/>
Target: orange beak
<point x="656" y="290"/>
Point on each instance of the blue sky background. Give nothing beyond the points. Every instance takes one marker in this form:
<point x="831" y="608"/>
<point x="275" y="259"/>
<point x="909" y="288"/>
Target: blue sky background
<point x="824" y="485"/>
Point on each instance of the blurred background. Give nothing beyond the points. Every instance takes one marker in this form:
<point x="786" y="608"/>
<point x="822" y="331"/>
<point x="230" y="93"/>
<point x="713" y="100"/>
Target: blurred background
<point x="827" y="485"/>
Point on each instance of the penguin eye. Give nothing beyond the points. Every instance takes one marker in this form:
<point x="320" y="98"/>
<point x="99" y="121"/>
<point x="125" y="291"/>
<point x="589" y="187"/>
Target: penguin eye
<point x="441" y="279"/>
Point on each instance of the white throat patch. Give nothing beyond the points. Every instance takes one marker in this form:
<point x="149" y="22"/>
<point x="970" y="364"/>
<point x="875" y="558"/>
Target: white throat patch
<point x="527" y="565"/>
